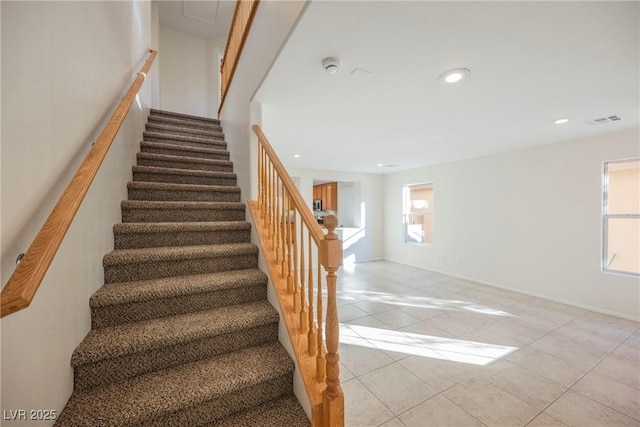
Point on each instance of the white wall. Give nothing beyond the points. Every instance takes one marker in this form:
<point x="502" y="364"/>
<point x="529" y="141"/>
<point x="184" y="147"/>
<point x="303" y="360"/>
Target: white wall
<point x="64" y="66"/>
<point x="527" y="220"/>
<point x="271" y="26"/>
<point x="188" y="73"/>
<point x="367" y="244"/>
<point x="154" y="75"/>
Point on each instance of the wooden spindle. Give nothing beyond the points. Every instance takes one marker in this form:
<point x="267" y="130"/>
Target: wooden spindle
<point x="304" y="315"/>
<point x="286" y="248"/>
<point x="278" y="239"/>
<point x="312" y="344"/>
<point x="262" y="182"/>
<point x="271" y="206"/>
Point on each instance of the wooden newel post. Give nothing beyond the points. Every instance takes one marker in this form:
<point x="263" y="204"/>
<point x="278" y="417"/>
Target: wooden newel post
<point x="331" y="259"/>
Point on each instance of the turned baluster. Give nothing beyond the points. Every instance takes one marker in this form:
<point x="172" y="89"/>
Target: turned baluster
<point x="311" y="336"/>
<point x="304" y="316"/>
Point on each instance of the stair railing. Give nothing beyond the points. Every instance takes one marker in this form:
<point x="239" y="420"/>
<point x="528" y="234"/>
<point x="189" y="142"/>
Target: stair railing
<point x="27" y="277"/>
<point x="240" y="25"/>
<point x="297" y="250"/>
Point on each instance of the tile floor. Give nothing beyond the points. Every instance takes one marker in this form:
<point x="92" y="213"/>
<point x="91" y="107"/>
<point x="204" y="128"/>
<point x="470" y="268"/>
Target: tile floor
<point x="420" y="348"/>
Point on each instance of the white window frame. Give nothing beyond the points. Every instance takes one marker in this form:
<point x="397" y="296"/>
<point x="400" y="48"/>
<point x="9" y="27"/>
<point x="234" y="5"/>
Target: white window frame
<point x="606" y="216"/>
<point x="406" y="191"/>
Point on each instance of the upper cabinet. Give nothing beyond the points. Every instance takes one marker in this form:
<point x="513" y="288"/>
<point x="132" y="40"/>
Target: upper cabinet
<point x="328" y="193"/>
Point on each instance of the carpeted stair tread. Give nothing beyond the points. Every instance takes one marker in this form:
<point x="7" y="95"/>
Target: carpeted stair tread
<point x="167" y="287"/>
<point x="173" y="227"/>
<point x="155" y="234"/>
<point x="184" y="151"/>
<point x="184" y="122"/>
<point x="160" y="394"/>
<point x="140" y="190"/>
<point x="106" y="343"/>
<point x="179" y="162"/>
<point x="182" y="187"/>
<point x="191" y="172"/>
<point x="183" y="176"/>
<point x="131" y="265"/>
<point x="157" y="112"/>
<point x="182" y="159"/>
<point x="134" y="256"/>
<point x="180" y="211"/>
<point x="283" y="412"/>
<point x="123" y="302"/>
<point x="173" y="128"/>
<point x="154" y="136"/>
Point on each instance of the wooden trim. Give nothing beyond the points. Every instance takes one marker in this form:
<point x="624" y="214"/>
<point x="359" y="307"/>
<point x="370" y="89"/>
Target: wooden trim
<point x="25" y="280"/>
<point x="231" y="51"/>
<point x="305" y="214"/>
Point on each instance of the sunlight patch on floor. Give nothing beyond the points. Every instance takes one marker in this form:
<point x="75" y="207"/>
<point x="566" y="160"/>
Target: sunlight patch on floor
<point x="404" y="300"/>
<point x="456" y="350"/>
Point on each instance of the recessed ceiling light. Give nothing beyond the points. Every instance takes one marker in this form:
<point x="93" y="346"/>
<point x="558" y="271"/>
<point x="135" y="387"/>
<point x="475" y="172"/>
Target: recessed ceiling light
<point x="560" y="121"/>
<point x="296" y="156"/>
<point x="379" y="164"/>
<point x="453" y="76"/>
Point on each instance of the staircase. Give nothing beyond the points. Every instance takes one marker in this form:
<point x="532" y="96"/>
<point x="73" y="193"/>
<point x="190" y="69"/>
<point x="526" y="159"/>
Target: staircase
<point x="182" y="333"/>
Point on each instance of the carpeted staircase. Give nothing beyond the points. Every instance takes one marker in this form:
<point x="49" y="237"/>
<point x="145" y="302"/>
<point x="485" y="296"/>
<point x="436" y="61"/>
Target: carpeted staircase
<point x="182" y="333"/>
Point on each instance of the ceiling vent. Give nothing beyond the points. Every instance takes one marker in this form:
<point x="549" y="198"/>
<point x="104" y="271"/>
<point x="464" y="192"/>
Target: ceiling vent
<point x="603" y="120"/>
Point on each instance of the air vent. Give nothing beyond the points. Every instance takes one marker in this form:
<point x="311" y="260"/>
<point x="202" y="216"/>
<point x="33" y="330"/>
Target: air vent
<point x="603" y="120"/>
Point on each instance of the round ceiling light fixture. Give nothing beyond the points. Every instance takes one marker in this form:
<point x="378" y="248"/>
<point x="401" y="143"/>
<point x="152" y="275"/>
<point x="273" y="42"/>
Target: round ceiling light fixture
<point x="453" y="76"/>
<point x="331" y="65"/>
<point x="561" y="121"/>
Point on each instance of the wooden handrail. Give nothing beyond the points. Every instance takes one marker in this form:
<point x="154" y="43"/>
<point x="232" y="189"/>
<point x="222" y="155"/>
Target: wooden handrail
<point x="292" y="242"/>
<point x="240" y="26"/>
<point x="25" y="280"/>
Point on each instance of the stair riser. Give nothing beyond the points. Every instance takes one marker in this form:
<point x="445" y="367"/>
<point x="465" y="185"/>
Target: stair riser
<point x="121" y="368"/>
<point x="185" y="123"/>
<point x="183" y="179"/>
<point x="180" y="238"/>
<point x="185" y="165"/>
<point x="181" y="267"/>
<point x="113" y="315"/>
<point x="213" y="156"/>
<point x="216" y="409"/>
<point x="183" y="195"/>
<point x="181" y="130"/>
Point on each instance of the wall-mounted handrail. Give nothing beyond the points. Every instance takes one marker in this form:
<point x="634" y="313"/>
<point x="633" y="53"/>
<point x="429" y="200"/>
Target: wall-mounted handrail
<point x="26" y="278"/>
<point x="240" y="26"/>
<point x="292" y="242"/>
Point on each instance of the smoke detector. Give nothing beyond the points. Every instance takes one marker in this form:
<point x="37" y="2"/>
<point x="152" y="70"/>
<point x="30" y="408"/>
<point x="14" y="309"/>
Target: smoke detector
<point x="331" y="65"/>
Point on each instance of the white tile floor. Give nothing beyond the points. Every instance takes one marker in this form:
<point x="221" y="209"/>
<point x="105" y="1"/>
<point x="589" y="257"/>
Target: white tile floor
<point x="419" y="348"/>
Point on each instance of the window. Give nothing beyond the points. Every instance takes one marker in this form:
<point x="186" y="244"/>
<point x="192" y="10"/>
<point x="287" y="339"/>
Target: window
<point x="621" y="217"/>
<point x="418" y="213"/>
